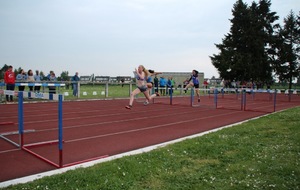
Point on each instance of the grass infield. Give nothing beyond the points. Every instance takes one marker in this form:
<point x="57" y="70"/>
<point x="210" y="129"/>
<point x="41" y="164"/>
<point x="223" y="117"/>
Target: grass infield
<point x="259" y="154"/>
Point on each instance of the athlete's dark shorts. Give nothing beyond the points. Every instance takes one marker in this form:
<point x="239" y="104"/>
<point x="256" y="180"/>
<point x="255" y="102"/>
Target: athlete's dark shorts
<point x="143" y="88"/>
<point x="196" y="85"/>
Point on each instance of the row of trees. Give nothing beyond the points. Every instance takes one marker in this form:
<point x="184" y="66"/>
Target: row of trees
<point x="64" y="76"/>
<point x="257" y="49"/>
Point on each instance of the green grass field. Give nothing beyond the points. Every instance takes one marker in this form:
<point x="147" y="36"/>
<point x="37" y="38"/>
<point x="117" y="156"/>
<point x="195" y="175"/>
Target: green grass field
<point x="114" y="91"/>
<point x="259" y="154"/>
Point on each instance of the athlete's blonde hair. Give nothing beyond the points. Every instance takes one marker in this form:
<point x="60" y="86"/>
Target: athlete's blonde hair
<point x="145" y="71"/>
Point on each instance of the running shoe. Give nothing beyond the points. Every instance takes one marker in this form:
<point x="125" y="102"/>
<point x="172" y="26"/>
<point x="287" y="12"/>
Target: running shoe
<point x="199" y="100"/>
<point x="157" y="94"/>
<point x="146" y="103"/>
<point x="128" y="107"/>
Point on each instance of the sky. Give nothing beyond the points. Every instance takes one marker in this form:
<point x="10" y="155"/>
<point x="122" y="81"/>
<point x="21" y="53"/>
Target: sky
<point x="113" y="37"/>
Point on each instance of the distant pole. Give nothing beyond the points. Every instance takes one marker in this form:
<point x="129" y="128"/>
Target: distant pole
<point x="171" y="96"/>
<point x="78" y="89"/>
<point x="20" y="118"/>
<point x="216" y="97"/>
<point x="106" y="90"/>
<point x="60" y="131"/>
<point x="130" y="89"/>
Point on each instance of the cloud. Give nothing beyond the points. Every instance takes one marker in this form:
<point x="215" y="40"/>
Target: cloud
<point x="86" y="36"/>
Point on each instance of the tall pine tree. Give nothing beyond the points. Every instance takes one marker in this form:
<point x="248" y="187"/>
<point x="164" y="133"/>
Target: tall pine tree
<point x="244" y="51"/>
<point x="287" y="50"/>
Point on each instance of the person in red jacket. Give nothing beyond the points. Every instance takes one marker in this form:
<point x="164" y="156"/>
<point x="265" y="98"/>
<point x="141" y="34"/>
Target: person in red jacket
<point x="9" y="79"/>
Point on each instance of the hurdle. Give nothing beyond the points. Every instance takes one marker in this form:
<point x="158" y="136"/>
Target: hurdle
<point x="272" y="97"/>
<point x="26" y="147"/>
<point x="14" y="93"/>
<point x="59" y="98"/>
<point x="170" y="96"/>
<point x="41" y="84"/>
<point x="192" y="99"/>
<point x="216" y="92"/>
<point x="59" y="142"/>
<point x="2" y="135"/>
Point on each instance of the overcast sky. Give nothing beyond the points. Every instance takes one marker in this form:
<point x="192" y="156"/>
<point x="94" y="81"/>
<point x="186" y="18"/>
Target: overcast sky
<point x="112" y="37"/>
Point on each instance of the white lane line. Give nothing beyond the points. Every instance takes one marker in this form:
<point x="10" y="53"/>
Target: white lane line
<point x="120" y="121"/>
<point x="148" y="128"/>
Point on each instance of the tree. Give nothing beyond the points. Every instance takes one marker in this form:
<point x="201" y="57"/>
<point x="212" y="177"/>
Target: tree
<point x="287" y="50"/>
<point x="64" y="76"/>
<point x="2" y="71"/>
<point x="244" y="50"/>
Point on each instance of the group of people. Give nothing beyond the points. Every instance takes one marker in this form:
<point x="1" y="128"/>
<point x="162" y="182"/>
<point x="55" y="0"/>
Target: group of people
<point x="164" y="85"/>
<point x="22" y="76"/>
<point x="28" y="76"/>
<point x="144" y="84"/>
<point x="10" y="79"/>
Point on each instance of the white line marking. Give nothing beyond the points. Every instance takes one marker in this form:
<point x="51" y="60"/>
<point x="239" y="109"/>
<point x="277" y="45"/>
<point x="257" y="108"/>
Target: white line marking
<point x="10" y="150"/>
<point x="148" y="128"/>
<point x="120" y="121"/>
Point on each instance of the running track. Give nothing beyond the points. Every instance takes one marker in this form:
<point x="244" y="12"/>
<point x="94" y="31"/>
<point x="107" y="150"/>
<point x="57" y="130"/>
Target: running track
<point x="93" y="129"/>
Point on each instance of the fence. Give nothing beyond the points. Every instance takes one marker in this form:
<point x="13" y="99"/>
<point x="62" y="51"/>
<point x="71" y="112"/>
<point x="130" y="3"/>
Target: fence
<point x="98" y="90"/>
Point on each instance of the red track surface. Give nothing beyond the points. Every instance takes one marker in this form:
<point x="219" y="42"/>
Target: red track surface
<point x="98" y="128"/>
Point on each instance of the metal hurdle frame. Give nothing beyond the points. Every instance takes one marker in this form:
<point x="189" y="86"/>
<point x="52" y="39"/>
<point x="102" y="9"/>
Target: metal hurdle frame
<point x="215" y="92"/>
<point x="240" y="96"/>
<point x="170" y="94"/>
<point x="60" y="141"/>
<point x="40" y="84"/>
<point x="21" y="131"/>
<point x="59" y="98"/>
<point x="2" y="135"/>
<point x="253" y="92"/>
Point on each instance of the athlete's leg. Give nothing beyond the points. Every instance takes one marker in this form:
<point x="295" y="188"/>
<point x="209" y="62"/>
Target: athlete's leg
<point x="189" y="85"/>
<point x="198" y="93"/>
<point x="132" y="95"/>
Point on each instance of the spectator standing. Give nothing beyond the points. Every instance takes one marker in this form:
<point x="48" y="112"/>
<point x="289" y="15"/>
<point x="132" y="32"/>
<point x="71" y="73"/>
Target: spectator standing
<point x="169" y="85"/>
<point x="9" y="79"/>
<point x="162" y="85"/>
<point x="48" y="76"/>
<point x="30" y="79"/>
<point x="37" y="78"/>
<point x="122" y="81"/>
<point x="205" y="84"/>
<point x="75" y="80"/>
<point x="233" y="84"/>
<point x="52" y="78"/>
<point x="173" y="82"/>
<point x="21" y="77"/>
